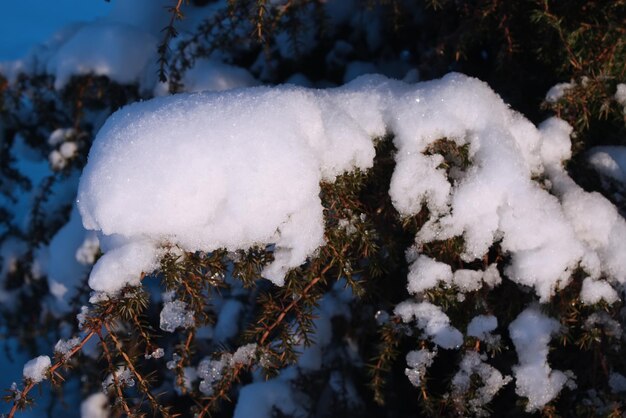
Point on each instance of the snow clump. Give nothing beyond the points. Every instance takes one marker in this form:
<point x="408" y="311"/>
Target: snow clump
<point x="492" y="381"/>
<point x="417" y="362"/>
<point x="263" y="133"/>
<point x="557" y="91"/>
<point x="36" y="369"/>
<point x="64" y="347"/>
<point x="95" y="406"/>
<point x="481" y="327"/>
<point x="175" y="315"/>
<point x="531" y="332"/>
<point x="431" y="319"/>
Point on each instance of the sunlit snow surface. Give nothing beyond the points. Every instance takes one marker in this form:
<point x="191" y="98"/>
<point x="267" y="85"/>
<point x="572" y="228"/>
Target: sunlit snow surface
<point x="241" y="168"/>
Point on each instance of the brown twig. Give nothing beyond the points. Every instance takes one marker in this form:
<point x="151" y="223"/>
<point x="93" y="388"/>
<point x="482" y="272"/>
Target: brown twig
<point x="30" y="385"/>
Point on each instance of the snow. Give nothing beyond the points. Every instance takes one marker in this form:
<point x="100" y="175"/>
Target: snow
<point x="432" y="321"/>
<point x="609" y="161"/>
<point x="156" y="354"/>
<point x="176" y="315"/>
<point x="259" y="399"/>
<point x="95" y="406"/>
<point x="425" y="273"/>
<point x="64" y="347"/>
<point x="593" y="291"/>
<point x="531" y="332"/>
<point x="244" y="354"/>
<point x="601" y="319"/>
<point x="492" y="381"/>
<point x="36" y="369"/>
<point x="418" y="361"/>
<point x="557" y="91"/>
<point x="481" y="326"/>
<point x="124" y="378"/>
<point x="620" y="95"/>
<point x="213" y="75"/>
<point x="64" y="269"/>
<point x="211" y="371"/>
<point x="315" y="135"/>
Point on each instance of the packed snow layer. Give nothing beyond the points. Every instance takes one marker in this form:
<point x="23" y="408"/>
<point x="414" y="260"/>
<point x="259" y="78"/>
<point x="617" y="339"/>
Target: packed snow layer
<point x="243" y="167"/>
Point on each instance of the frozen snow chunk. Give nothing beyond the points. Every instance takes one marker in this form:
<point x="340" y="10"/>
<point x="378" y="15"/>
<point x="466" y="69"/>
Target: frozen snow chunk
<point x="176" y="315"/>
<point x="432" y="321"/>
<point x="95" y="406"/>
<point x="124" y="266"/>
<point x="491" y="276"/>
<point x="244" y="354"/>
<point x="555" y="144"/>
<point x="481" y="326"/>
<point x="425" y="273"/>
<point x="36" y="369"/>
<point x="557" y="91"/>
<point x="593" y="291"/>
<point x="467" y="280"/>
<point x="418" y="361"/>
<point x="211" y="371"/>
<point x="156" y="354"/>
<point x="531" y="332"/>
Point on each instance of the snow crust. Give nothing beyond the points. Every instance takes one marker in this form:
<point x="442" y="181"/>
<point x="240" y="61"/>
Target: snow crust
<point x="36" y="369"/>
<point x="531" y="332"/>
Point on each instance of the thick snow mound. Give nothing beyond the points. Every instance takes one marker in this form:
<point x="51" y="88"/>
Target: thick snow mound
<point x="241" y="168"/>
